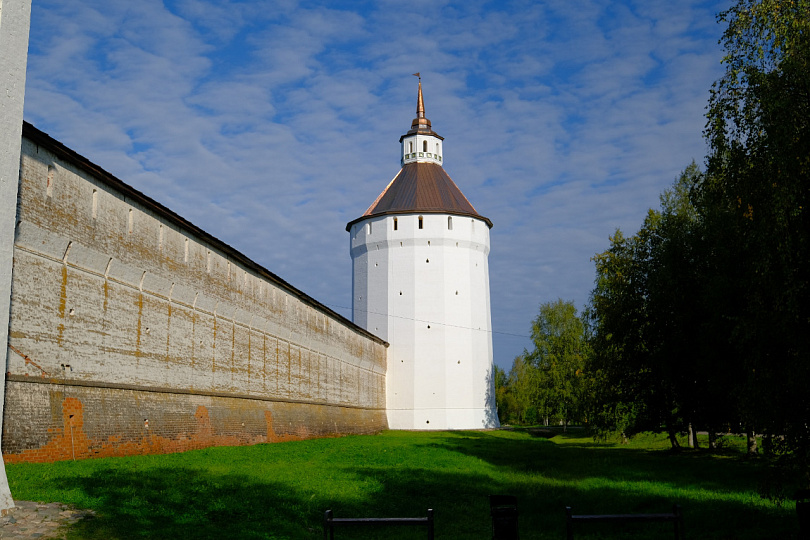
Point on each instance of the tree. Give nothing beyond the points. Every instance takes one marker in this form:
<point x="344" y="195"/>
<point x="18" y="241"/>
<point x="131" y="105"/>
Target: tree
<point x="754" y="199"/>
<point x="558" y="359"/>
<point x="523" y="383"/>
<point x="646" y="315"/>
<point x="504" y="397"/>
<point x="631" y="393"/>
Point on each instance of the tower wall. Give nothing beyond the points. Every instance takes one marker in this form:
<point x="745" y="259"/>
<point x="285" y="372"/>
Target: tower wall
<point x="426" y="292"/>
<point x="15" y="17"/>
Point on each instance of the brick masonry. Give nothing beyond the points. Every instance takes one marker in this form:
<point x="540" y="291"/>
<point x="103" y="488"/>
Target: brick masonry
<point x="86" y="422"/>
<point x="133" y="332"/>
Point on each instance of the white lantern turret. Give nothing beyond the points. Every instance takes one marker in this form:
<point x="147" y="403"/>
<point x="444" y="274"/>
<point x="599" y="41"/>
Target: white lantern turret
<point x="421" y="144"/>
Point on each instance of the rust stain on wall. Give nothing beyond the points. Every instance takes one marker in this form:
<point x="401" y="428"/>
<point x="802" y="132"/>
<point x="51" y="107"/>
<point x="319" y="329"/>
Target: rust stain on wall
<point x="70" y="441"/>
<point x="106" y="294"/>
<point x="272" y="437"/>
<point x="214" y="345"/>
<point x="62" y="301"/>
<point x="140" y="319"/>
<point x="168" y="330"/>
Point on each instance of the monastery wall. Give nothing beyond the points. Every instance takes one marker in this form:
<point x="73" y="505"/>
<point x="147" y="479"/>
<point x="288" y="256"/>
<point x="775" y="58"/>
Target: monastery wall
<point x="132" y="331"/>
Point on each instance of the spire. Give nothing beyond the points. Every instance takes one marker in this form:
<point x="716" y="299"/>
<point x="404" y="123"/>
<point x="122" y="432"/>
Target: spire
<point x="420" y="123"/>
<point x="420" y="103"/>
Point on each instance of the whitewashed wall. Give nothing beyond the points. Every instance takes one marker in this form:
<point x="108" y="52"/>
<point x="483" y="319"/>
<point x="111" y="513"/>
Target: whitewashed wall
<point x="426" y="292"/>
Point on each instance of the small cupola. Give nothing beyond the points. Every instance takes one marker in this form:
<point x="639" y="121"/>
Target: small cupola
<point x="421" y="144"/>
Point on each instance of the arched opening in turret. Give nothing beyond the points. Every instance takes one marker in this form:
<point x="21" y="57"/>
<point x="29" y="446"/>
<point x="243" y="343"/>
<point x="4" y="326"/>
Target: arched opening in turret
<point x="410" y="147"/>
<point x="424" y="146"/>
<point x="395" y="223"/>
<point x="420" y="222"/>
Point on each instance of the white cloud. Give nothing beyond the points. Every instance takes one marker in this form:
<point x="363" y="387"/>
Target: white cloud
<point x="271" y="124"/>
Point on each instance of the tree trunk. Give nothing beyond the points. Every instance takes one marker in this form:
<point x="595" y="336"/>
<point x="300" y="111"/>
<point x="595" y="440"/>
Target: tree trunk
<point x="690" y="436"/>
<point x="751" y="440"/>
<point x="673" y="439"/>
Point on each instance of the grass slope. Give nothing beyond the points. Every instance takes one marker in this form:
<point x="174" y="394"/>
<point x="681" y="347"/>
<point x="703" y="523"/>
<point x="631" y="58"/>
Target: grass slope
<point x="281" y="490"/>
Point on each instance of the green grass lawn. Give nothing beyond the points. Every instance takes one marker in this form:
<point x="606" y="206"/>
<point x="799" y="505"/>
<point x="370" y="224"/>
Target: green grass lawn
<point x="281" y="490"/>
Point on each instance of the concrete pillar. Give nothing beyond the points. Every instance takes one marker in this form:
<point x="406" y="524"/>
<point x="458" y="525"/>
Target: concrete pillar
<point x="15" y="19"/>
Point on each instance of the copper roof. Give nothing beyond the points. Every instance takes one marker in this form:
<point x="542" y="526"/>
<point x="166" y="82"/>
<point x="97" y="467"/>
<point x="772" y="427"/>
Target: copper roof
<point x="421" y="188"/>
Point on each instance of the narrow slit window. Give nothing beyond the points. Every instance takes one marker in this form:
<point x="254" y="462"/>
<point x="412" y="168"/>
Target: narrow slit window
<point x="421" y="223"/>
<point x="95" y="203"/>
<point x="449" y="223"/>
<point x="437" y="148"/>
<point x="424" y="146"/>
<point x="130" y="220"/>
<point x="395" y="223"/>
<point x="410" y="147"/>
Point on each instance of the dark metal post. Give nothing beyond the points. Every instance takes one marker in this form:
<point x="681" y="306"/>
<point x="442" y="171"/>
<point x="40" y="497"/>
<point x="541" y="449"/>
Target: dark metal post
<point x="676" y="509"/>
<point x="803" y="513"/>
<point x="430" y="523"/>
<point x="327" y="526"/>
<point x="569" y="524"/>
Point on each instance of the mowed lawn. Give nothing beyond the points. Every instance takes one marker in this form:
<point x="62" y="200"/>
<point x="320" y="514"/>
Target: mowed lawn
<point x="281" y="490"/>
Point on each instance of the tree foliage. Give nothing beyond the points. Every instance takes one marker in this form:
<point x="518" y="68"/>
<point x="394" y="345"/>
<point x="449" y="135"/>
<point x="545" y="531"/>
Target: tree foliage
<point x="643" y="314"/>
<point x="558" y="360"/>
<point x="755" y="199"/>
<point x="546" y="383"/>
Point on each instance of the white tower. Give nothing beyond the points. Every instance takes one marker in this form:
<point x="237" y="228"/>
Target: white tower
<point x="421" y="282"/>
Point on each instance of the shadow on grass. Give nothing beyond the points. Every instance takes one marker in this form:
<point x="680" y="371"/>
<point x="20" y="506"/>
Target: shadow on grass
<point x="718" y="494"/>
<point x="187" y="503"/>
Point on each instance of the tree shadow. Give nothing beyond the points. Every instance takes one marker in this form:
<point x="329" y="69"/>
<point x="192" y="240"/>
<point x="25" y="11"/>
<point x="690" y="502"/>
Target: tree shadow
<point x="176" y="503"/>
<point x="211" y="502"/>
<point x="716" y="490"/>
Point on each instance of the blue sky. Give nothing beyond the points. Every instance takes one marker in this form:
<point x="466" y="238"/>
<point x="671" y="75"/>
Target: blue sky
<point x="273" y="124"/>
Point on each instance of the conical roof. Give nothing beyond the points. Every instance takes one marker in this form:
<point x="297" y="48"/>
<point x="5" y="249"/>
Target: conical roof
<point x="423" y="188"/>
